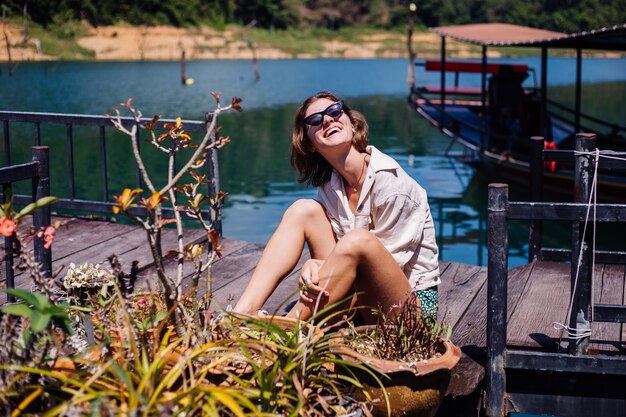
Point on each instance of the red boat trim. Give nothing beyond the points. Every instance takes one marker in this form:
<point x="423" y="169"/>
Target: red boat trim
<point x="475" y="67"/>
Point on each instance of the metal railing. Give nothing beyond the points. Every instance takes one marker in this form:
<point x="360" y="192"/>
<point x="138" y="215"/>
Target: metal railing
<point x="101" y="127"/>
<point x="38" y="172"/>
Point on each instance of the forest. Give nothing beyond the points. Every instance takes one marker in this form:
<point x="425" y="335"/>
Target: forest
<point x="560" y="15"/>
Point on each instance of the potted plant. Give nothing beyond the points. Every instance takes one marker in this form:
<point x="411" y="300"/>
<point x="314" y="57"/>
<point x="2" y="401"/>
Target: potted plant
<point x="408" y="352"/>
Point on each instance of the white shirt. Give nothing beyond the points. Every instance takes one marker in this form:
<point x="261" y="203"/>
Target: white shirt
<point x="395" y="209"/>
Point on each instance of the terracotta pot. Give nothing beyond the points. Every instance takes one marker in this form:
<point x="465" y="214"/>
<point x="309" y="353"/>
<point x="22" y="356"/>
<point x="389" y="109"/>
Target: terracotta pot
<point x="413" y="389"/>
<point x="240" y="366"/>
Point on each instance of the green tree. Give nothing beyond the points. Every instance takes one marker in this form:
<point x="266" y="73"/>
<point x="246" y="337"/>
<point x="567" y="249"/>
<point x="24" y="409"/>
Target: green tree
<point x="279" y="14"/>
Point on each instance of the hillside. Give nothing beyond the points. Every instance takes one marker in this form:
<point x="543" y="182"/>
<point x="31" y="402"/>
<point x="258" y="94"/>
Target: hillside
<point x="167" y="43"/>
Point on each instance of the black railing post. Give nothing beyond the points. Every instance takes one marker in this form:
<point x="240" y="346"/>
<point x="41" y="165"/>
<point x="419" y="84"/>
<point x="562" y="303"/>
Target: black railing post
<point x="497" y="270"/>
<point x="483" y="99"/>
<point x="137" y="139"/>
<point x="37" y="134"/>
<point x="70" y="159"/>
<point x="536" y="194"/>
<point x="213" y="172"/>
<point x="7" y="143"/>
<point x="103" y="164"/>
<point x="544" y="90"/>
<point x="577" y="101"/>
<point x="442" y="93"/>
<point x="8" y="252"/>
<point x="582" y="250"/>
<point x="41" y="217"/>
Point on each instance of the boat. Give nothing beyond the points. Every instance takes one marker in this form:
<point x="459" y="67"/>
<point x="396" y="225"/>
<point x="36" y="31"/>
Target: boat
<point x="495" y="120"/>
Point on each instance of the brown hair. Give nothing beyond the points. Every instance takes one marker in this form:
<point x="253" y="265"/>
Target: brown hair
<point x="312" y="167"/>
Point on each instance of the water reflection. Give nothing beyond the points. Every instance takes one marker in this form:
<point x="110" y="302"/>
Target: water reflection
<point x="255" y="167"/>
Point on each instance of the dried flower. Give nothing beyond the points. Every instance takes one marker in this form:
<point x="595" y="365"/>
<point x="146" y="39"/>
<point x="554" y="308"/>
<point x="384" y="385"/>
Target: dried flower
<point x="87" y="276"/>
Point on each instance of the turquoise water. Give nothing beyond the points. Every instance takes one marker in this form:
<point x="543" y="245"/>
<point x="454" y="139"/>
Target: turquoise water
<point x="255" y="167"/>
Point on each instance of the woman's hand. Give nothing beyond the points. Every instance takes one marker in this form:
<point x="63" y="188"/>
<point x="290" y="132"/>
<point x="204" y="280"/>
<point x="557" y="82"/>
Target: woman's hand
<point x="309" y="281"/>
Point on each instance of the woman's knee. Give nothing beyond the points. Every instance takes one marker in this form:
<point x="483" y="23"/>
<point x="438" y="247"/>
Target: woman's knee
<point x="304" y="210"/>
<point x="358" y="241"/>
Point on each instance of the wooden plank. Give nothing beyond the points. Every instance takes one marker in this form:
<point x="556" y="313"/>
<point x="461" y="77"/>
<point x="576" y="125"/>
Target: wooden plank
<point x="608" y="288"/>
<point x="471" y="329"/>
<point x="460" y="284"/>
<point x="544" y="302"/>
<point x="169" y="242"/>
<point x="148" y="277"/>
<point x="227" y="282"/>
<point x="75" y="235"/>
<point x="283" y="295"/>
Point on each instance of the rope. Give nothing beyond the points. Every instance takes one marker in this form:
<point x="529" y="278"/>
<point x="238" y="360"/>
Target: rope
<point x="575" y="333"/>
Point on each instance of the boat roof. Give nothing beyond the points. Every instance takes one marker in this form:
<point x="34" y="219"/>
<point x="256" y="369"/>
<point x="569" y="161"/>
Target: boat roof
<point x="611" y="38"/>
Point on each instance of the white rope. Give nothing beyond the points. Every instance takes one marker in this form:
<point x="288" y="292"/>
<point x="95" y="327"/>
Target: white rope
<point x="572" y="332"/>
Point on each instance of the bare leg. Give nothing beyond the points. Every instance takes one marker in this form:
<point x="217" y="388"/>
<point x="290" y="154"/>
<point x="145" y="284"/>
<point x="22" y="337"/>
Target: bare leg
<point x="304" y="220"/>
<point x="359" y="263"/>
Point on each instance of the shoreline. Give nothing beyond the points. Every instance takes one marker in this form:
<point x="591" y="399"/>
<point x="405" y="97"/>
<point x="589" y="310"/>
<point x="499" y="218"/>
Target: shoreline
<point x="170" y="44"/>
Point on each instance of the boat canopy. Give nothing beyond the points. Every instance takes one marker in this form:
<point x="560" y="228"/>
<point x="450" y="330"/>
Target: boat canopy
<point x="612" y="38"/>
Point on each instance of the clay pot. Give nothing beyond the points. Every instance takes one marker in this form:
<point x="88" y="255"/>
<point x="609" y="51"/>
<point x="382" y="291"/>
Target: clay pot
<point x="219" y="374"/>
<point x="413" y="389"/>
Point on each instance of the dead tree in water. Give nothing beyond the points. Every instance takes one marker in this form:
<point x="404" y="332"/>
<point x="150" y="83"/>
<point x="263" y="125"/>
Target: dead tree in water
<point x="25" y="22"/>
<point x="12" y="67"/>
<point x="183" y="67"/>
<point x="410" y="79"/>
<point x="250" y="42"/>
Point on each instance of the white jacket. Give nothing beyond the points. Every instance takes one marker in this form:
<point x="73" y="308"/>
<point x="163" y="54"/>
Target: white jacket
<point x="395" y="209"/>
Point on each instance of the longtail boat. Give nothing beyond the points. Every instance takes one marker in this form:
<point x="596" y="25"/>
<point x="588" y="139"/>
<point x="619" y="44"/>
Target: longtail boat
<point x="495" y="119"/>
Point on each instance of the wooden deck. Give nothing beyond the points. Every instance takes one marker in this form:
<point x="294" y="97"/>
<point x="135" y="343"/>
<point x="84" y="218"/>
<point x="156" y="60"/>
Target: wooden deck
<point x="538" y="293"/>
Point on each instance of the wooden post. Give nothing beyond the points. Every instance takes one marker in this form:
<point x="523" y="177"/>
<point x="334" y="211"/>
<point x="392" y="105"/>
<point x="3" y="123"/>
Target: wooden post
<point x="41" y="217"/>
<point x="497" y="270"/>
<point x="536" y="194"/>
<point x="544" y="92"/>
<point x="483" y="99"/>
<point x="442" y="94"/>
<point x="582" y="249"/>
<point x="578" y="90"/>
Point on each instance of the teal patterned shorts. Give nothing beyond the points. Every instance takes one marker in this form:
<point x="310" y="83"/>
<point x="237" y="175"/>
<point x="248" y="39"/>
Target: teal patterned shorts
<point x="430" y="300"/>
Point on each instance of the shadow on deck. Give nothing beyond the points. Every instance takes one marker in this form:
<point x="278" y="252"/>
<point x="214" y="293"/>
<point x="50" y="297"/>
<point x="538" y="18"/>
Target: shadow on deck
<point x="538" y="295"/>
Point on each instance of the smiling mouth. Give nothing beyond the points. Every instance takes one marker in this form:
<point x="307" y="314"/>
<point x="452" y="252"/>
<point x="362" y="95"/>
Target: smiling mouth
<point x="331" y="131"/>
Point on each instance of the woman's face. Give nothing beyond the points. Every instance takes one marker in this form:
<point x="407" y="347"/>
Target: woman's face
<point x="333" y="131"/>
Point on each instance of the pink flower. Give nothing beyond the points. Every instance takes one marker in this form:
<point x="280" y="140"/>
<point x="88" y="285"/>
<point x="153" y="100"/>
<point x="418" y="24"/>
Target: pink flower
<point x="7" y="226"/>
<point x="47" y="235"/>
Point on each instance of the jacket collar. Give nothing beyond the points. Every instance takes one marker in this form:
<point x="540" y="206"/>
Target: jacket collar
<point x="378" y="162"/>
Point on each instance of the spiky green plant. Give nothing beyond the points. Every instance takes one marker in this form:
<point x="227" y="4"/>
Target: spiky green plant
<point x="404" y="334"/>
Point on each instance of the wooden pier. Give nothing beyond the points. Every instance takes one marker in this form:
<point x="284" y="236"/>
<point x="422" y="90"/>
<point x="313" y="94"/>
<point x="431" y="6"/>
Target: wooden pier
<point x="538" y="294"/>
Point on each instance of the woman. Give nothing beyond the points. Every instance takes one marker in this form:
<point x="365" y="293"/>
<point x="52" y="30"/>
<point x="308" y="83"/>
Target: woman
<point x="369" y="233"/>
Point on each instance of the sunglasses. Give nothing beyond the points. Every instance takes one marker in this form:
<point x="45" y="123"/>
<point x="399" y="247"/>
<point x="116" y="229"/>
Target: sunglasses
<point x="334" y="110"/>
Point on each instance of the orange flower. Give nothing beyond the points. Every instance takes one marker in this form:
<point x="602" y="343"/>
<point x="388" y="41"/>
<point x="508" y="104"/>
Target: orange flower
<point x="193" y="251"/>
<point x="126" y="199"/>
<point x="7" y="226"/>
<point x="153" y="201"/>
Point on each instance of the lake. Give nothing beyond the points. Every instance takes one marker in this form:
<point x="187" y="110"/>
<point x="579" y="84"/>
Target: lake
<point x="255" y="168"/>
